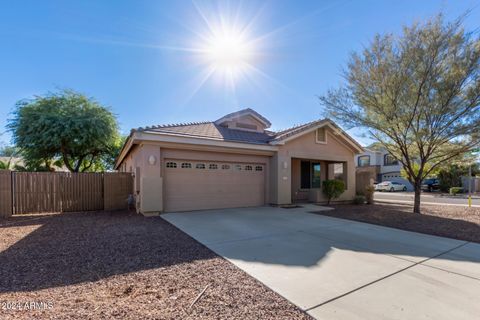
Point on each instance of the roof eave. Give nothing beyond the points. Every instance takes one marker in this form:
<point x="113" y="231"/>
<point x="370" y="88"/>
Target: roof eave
<point x="321" y="123"/>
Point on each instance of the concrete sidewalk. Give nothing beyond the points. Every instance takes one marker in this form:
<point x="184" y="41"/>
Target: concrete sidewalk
<point x="341" y="269"/>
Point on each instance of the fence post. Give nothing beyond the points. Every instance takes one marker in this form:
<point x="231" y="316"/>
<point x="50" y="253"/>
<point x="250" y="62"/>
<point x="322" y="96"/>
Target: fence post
<point x="12" y="203"/>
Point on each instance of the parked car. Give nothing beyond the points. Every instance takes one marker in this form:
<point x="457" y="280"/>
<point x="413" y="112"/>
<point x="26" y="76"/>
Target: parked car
<point x="390" y="186"/>
<point x="430" y="184"/>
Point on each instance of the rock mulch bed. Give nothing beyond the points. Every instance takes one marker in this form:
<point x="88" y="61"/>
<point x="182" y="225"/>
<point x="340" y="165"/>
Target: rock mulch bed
<point x="120" y="265"/>
<point x="455" y="222"/>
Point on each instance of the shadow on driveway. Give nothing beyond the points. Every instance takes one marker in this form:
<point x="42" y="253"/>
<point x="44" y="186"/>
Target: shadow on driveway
<point x="70" y="248"/>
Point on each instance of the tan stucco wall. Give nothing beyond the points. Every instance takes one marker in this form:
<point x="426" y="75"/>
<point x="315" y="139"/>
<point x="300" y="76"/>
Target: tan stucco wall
<point x="280" y="179"/>
<point x="281" y="182"/>
<point x="147" y="176"/>
<point x="305" y="147"/>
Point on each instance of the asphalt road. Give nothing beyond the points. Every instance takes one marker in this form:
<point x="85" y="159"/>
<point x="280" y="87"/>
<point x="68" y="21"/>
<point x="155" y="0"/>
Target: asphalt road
<point x="427" y="198"/>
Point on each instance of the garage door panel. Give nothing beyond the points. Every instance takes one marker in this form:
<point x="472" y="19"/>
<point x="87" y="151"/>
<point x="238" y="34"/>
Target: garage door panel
<point x="195" y="189"/>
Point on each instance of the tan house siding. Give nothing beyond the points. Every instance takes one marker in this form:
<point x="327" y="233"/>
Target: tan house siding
<point x="305" y="147"/>
<point x="146" y="172"/>
<point x="162" y="189"/>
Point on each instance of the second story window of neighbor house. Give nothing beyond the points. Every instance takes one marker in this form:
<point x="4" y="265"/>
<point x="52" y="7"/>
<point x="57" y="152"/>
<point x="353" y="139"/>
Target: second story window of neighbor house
<point x="389" y="160"/>
<point x="363" y="161"/>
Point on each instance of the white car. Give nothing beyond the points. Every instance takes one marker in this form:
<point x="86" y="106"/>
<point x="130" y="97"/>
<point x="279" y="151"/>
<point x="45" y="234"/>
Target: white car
<point x="390" y="186"/>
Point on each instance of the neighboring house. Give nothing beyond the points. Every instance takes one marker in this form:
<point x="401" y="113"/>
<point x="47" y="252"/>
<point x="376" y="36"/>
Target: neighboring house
<point x="381" y="165"/>
<point x="236" y="162"/>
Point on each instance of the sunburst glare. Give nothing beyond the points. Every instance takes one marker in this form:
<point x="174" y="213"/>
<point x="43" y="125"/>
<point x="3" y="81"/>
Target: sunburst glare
<point x="225" y="45"/>
<point x="228" y="51"/>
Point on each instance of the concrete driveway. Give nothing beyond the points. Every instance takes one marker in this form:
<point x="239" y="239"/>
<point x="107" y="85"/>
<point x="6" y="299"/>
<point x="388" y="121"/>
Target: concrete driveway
<point x="340" y="269"/>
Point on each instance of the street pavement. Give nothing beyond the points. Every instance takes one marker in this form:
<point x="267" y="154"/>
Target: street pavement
<point x="427" y="198"/>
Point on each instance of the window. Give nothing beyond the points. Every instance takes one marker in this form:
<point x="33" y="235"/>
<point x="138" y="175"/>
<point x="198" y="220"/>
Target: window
<point x="389" y="160"/>
<point x="363" y="161"/>
<point x="186" y="165"/>
<point x="305" y="174"/>
<point x="258" y="168"/>
<point x="321" y="135"/>
<point x="238" y="167"/>
<point x="248" y="168"/>
<point x="316" y="179"/>
<point x="339" y="172"/>
<point x="310" y="175"/>
<point x="213" y="166"/>
<point x="225" y="167"/>
<point x="200" y="166"/>
<point x="171" y="164"/>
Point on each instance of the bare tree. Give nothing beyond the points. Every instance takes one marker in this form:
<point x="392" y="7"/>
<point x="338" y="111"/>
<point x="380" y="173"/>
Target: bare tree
<point x="417" y="94"/>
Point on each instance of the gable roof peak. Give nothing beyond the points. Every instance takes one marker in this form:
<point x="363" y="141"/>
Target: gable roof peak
<point x="244" y="112"/>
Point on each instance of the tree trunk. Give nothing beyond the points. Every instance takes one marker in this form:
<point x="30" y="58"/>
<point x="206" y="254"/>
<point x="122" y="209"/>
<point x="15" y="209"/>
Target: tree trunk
<point x="416" y="202"/>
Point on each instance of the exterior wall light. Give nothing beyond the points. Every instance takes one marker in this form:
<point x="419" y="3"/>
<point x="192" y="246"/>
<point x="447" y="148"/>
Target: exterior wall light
<point x="152" y="160"/>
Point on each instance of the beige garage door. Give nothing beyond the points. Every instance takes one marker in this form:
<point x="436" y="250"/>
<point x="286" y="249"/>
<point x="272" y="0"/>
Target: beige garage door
<point x="197" y="185"/>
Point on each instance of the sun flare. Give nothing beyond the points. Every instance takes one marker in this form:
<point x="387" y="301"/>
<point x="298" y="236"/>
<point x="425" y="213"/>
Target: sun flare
<point x="228" y="46"/>
<point x="228" y="51"/>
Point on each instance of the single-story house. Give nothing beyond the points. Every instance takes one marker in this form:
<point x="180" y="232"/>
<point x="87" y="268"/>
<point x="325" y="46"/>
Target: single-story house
<point x="236" y="161"/>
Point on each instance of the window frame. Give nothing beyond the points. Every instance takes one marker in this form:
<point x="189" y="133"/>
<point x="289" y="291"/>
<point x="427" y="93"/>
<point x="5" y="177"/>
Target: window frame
<point x="325" y="136"/>
<point x="363" y="156"/>
<point x="186" y="165"/>
<point x="310" y="173"/>
<point x="168" y="163"/>
<point x="394" y="162"/>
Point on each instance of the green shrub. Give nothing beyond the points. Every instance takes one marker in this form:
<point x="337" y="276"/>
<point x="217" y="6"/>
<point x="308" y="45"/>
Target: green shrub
<point x="455" y="190"/>
<point x="359" y="199"/>
<point x="332" y="189"/>
<point x="369" y="191"/>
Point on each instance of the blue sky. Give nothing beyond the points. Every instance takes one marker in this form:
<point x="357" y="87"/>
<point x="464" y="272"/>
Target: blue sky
<point x="141" y="57"/>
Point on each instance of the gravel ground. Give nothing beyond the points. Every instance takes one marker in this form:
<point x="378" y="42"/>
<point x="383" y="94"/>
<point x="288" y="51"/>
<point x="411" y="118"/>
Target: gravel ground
<point x="461" y="223"/>
<point x="119" y="265"/>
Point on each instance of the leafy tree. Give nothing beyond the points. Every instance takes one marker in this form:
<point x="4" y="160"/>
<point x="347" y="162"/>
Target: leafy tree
<point x="66" y="126"/>
<point x="417" y="94"/>
<point x="332" y="189"/>
<point x="9" y="151"/>
<point x="451" y="176"/>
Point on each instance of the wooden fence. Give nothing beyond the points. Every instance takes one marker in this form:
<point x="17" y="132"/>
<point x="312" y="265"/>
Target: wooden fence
<point x="39" y="192"/>
<point x="5" y="193"/>
<point x="362" y="180"/>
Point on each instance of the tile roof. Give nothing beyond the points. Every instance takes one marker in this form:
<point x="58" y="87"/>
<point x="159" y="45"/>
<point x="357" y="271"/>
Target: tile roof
<point x="279" y="135"/>
<point x="244" y="112"/>
<point x="212" y="131"/>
